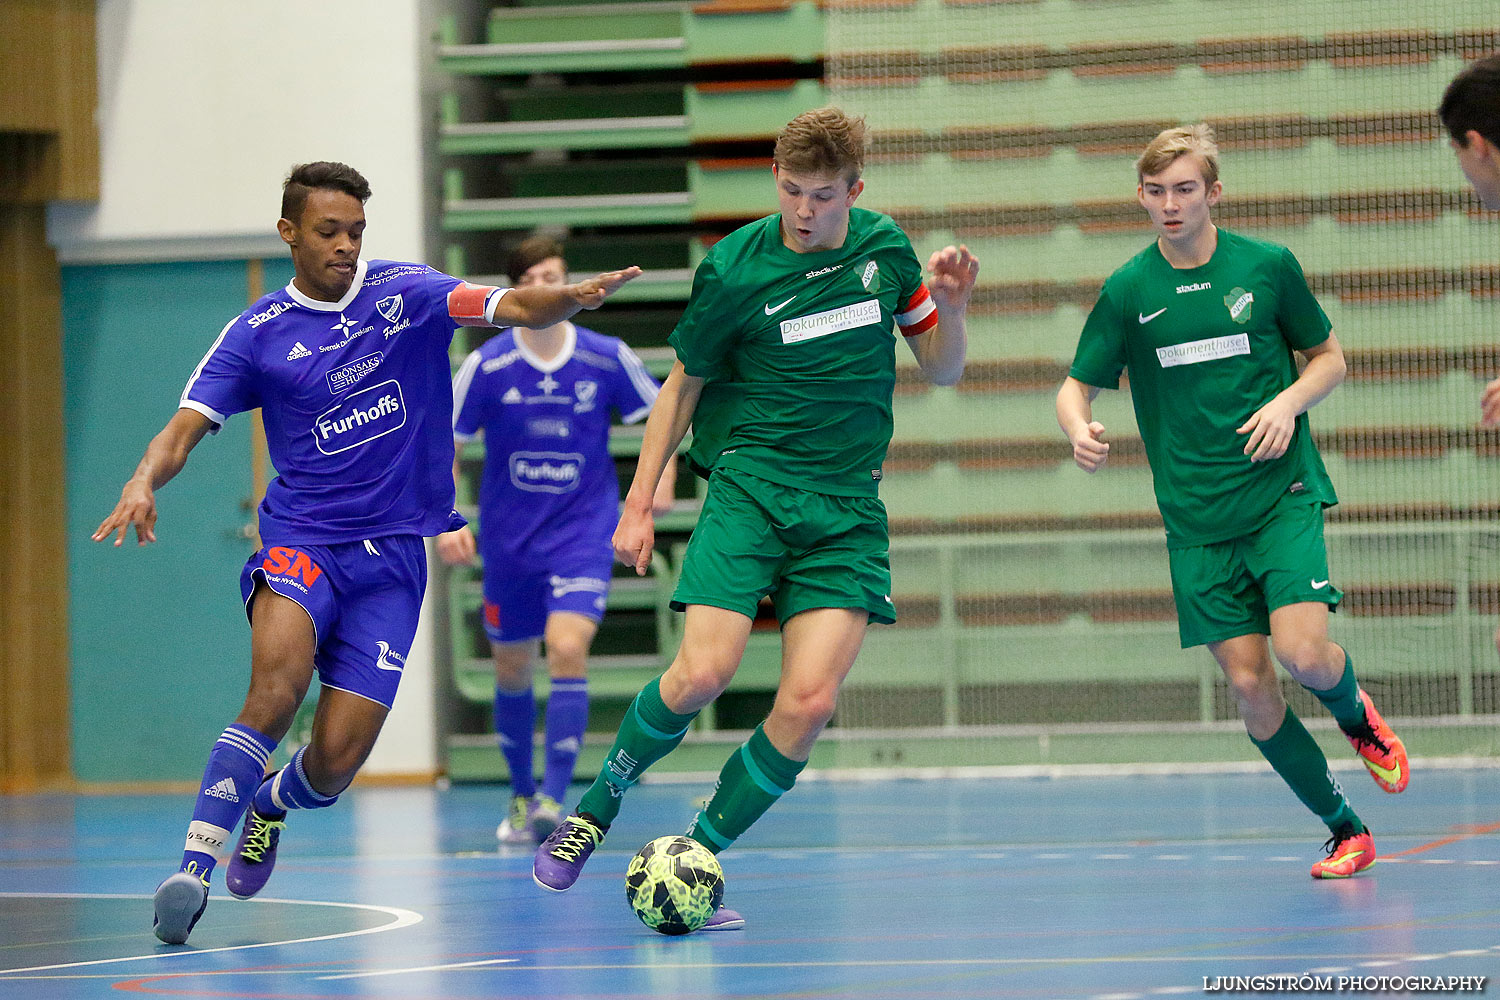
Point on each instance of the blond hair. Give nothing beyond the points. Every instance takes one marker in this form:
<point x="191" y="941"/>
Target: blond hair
<point x="1173" y="143"/>
<point x="824" y="143"/>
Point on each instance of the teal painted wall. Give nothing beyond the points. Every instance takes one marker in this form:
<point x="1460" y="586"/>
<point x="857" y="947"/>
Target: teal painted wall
<point x="160" y="647"/>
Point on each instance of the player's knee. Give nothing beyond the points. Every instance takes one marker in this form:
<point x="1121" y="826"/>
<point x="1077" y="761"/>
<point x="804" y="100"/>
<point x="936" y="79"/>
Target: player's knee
<point x="1303" y="657"/>
<point x="271" y="705"/>
<point x="567" y="656"/>
<point x="1252" y="688"/>
<point x="808" y="709"/>
<point x="701" y="678"/>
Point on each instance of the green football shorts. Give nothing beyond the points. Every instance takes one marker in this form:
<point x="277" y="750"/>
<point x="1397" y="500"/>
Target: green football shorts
<point x="1230" y="588"/>
<point x="806" y="550"/>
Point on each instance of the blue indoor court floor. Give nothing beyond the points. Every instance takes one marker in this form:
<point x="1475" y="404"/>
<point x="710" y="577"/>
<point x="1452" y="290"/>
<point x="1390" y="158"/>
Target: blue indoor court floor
<point x="1065" y="887"/>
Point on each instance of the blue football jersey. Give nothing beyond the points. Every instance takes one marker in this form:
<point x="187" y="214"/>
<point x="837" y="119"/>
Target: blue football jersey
<point x="549" y="482"/>
<point x="356" y="401"/>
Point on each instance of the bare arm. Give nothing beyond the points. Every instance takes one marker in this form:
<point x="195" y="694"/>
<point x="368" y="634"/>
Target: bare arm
<point x="1271" y="427"/>
<point x="457" y="548"/>
<point x="1075" y="415"/>
<point x="165" y="456"/>
<point x="940" y="352"/>
<point x="538" y="306"/>
<point x="670" y="418"/>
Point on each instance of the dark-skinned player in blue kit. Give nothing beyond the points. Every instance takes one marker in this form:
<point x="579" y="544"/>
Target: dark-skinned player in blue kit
<point x="349" y="365"/>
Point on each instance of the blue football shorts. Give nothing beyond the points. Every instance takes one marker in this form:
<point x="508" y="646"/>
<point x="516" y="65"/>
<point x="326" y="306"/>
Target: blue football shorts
<point x="363" y="599"/>
<point x="518" y="601"/>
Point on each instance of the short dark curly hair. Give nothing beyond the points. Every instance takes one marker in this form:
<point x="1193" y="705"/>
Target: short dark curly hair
<point x="307" y="177"/>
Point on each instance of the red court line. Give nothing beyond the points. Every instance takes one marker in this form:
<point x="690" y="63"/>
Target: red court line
<point x="1472" y="831"/>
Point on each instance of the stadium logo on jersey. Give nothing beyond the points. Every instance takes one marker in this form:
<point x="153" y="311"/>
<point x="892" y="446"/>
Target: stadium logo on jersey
<point x="546" y="471"/>
<point x="586" y="391"/>
<point x="819" y="274"/>
<point x="871" y="278"/>
<point x="390" y="307"/>
<point x="1197" y="351"/>
<point x="388" y="658"/>
<point x="1238" y="302"/>
<point x="1197" y="286"/>
<point x="794" y="331"/>
<point x="362" y="417"/>
<point x="269" y="313"/>
<point x="548" y="427"/>
<point x="512" y="395"/>
<point x="345" y="376"/>
<point x="299" y="350"/>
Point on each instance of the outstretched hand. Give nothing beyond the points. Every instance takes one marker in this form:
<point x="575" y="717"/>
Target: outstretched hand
<point x="591" y="292"/>
<point x="137" y="507"/>
<point x="954" y="270"/>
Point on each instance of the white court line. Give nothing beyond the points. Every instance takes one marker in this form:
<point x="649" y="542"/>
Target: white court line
<point x="423" y="968"/>
<point x="404" y="918"/>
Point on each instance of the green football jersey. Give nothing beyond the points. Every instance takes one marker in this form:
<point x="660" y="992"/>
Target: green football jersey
<point x="798" y="350"/>
<point x="1206" y="347"/>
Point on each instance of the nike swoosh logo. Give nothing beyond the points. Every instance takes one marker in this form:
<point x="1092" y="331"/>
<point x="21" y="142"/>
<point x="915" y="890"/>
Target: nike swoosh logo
<point x="773" y="310"/>
<point x="1390" y="774"/>
<point x="1146" y="319"/>
<point x="1318" y="584"/>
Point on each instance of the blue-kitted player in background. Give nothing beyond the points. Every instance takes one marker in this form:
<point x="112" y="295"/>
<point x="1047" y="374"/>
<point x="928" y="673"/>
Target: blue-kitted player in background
<point x="542" y="398"/>
<point x="349" y="365"/>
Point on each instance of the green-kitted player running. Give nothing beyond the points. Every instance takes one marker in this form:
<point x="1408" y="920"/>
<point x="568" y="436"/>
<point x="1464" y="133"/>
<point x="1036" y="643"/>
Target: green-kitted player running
<point x="786" y="366"/>
<point x="1208" y="321"/>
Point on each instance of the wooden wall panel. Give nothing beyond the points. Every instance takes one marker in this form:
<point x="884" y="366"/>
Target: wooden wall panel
<point x="33" y="556"/>
<point x="49" y="150"/>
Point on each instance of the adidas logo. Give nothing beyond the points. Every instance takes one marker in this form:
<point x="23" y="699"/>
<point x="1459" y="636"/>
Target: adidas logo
<point x="512" y="395"/>
<point x="224" y="790"/>
<point x="298" y="351"/>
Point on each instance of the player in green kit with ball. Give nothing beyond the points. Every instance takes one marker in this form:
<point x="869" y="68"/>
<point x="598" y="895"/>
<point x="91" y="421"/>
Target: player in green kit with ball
<point x="1207" y="321"/>
<point x="785" y="371"/>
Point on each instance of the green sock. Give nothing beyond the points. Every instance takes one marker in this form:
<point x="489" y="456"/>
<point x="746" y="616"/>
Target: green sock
<point x="1343" y="698"/>
<point x="753" y="778"/>
<point x="1299" y="760"/>
<point x="649" y="732"/>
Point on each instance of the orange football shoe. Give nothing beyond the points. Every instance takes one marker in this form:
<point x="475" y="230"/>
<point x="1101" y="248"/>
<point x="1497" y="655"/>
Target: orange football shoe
<point x="1382" y="750"/>
<point x="1348" y="852"/>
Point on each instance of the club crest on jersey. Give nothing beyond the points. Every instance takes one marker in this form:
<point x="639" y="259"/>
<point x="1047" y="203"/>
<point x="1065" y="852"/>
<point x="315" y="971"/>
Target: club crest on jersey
<point x="1238" y="302"/>
<point x="390" y="307"/>
<point x="586" y="391"/>
<point x="871" y="277"/>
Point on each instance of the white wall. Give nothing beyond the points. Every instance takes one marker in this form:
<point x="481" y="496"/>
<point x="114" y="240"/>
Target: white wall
<point x="203" y="107"/>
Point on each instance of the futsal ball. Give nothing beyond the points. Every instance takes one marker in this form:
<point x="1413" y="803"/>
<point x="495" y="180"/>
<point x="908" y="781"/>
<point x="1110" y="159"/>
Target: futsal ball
<point x="674" y="884"/>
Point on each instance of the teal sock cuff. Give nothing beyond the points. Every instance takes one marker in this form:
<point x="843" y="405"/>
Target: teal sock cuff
<point x="711" y="839"/>
<point x="1291" y="727"/>
<point x="772" y="770"/>
<point x="655" y="717"/>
